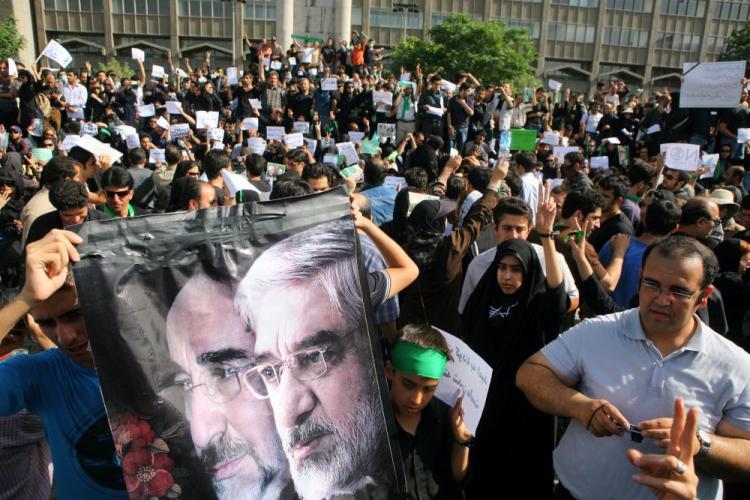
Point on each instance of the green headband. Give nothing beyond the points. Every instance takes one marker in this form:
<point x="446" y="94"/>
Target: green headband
<point x="415" y="360"/>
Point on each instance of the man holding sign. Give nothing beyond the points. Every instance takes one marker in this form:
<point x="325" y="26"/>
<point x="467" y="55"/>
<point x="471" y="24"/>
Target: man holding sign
<point x="431" y="435"/>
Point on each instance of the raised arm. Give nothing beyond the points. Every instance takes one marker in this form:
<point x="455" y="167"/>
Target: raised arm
<point x="545" y="223"/>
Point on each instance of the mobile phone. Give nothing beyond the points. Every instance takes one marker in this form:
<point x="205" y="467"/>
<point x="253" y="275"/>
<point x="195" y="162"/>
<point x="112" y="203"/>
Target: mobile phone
<point x="635" y="433"/>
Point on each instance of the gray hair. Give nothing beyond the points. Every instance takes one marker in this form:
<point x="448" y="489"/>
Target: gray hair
<point x="324" y="254"/>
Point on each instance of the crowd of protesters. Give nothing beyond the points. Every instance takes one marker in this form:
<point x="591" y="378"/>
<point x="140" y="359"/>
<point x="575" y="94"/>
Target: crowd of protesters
<point x="643" y="266"/>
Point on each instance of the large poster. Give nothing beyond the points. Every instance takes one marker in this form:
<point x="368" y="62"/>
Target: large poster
<point x="237" y="353"/>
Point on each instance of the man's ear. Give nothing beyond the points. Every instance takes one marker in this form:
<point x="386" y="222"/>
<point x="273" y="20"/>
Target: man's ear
<point x="192" y="205"/>
<point x="704" y="297"/>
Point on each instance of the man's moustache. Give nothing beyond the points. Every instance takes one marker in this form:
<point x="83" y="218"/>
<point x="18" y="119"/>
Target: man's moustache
<point x="307" y="431"/>
<point x="221" y="452"/>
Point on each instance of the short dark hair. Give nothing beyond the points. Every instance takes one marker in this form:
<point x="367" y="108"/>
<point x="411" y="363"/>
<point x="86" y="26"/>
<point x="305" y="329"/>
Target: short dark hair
<point x="613" y="183"/>
<point x="374" y="172"/>
<point x="116" y="177"/>
<point x="314" y="171"/>
<point x="585" y="200"/>
<point x="526" y="160"/>
<point x="81" y="155"/>
<point x="296" y="155"/>
<point x="172" y="154"/>
<point x="479" y="177"/>
<point x="574" y="157"/>
<point x="424" y="336"/>
<point x="436" y="78"/>
<point x="68" y="194"/>
<point x="214" y="162"/>
<point x="514" y="182"/>
<point x="694" y="210"/>
<point x="255" y="164"/>
<point x="136" y="156"/>
<point x="662" y="217"/>
<point x="640" y="171"/>
<point x="57" y="169"/>
<point x="684" y="247"/>
<point x="682" y="176"/>
<point x="456" y="186"/>
<point x="289" y="188"/>
<point x="511" y="206"/>
<point x="416" y="177"/>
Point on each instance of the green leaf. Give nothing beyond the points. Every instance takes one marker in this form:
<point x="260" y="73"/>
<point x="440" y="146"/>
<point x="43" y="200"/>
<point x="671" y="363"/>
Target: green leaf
<point x="11" y="41"/>
<point x="737" y="47"/>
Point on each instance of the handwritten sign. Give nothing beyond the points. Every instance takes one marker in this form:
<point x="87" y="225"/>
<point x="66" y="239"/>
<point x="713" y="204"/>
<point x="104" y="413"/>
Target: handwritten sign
<point x="174" y="107"/>
<point x="232" y="75"/>
<point x="257" y="145"/>
<point x="275" y="133"/>
<point x="133" y="141"/>
<point x="57" y="53"/>
<point x="394" y="182"/>
<point x="295" y="140"/>
<point x="356" y="137"/>
<point x="157" y="71"/>
<point x="350" y="153"/>
<point x="386" y="130"/>
<point x="329" y="84"/>
<point x="709" y="162"/>
<point x="331" y="159"/>
<point x="560" y="152"/>
<point x="179" y="130"/>
<point x="312" y="145"/>
<point x="147" y="110"/>
<point x="89" y="129"/>
<point x="216" y="134"/>
<point x="681" y="156"/>
<point x="162" y="123"/>
<point x="137" y="54"/>
<point x="447" y="86"/>
<point x="301" y="127"/>
<point x="249" y="123"/>
<point x="382" y="98"/>
<point x="67" y="144"/>
<point x="554" y="85"/>
<point x="98" y="148"/>
<point x="156" y="155"/>
<point x="468" y="375"/>
<point x="743" y="135"/>
<point x="600" y="162"/>
<point x="551" y="138"/>
<point x="417" y="198"/>
<point x="255" y="104"/>
<point x="712" y="84"/>
<point x="207" y="119"/>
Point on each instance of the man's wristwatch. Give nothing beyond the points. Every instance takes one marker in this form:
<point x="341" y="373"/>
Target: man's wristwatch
<point x="705" y="441"/>
<point x="551" y="234"/>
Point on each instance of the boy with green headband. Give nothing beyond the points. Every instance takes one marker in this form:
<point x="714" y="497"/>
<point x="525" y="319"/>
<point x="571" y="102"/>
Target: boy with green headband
<point x="433" y="437"/>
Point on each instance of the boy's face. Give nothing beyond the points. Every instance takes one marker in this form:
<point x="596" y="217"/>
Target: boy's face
<point x="410" y="394"/>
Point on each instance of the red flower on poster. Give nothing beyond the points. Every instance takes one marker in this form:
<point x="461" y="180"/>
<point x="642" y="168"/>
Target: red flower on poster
<point x="147" y="474"/>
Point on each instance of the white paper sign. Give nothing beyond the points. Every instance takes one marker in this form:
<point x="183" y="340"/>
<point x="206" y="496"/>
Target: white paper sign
<point x="551" y="138"/>
<point x="600" y="162"/>
<point x="711" y="84"/>
<point x="653" y="129"/>
<point x="435" y="111"/>
<point x="12" y="68"/>
<point x="179" y="130"/>
<point x="133" y="141"/>
<point x="405" y="76"/>
<point x="386" y="130"/>
<point x="163" y="123"/>
<point x="350" y="153"/>
<point x="156" y="155"/>
<point x="69" y="142"/>
<point x="382" y="97"/>
<point x="98" y="148"/>
<point x="417" y="198"/>
<point x="554" y="85"/>
<point x="137" y="54"/>
<point x="307" y="54"/>
<point x="276" y="65"/>
<point x="207" y="119"/>
<point x="255" y="104"/>
<point x="682" y="156"/>
<point x="157" y="71"/>
<point x="216" y="134"/>
<point x="275" y="133"/>
<point x="218" y="145"/>
<point x="125" y="130"/>
<point x="356" y="137"/>
<point x="147" y="110"/>
<point x="331" y="159"/>
<point x="57" y="53"/>
<point x="232" y="75"/>
<point x="467" y="375"/>
<point x="709" y="162"/>
<point x="235" y="182"/>
<point x="329" y="84"/>
<point x="447" y="86"/>
<point x="295" y="140"/>
<point x="312" y="145"/>
<point x="743" y="135"/>
<point x="257" y="145"/>
<point x="89" y="129"/>
<point x="560" y="152"/>
<point x="250" y="123"/>
<point x="301" y="127"/>
<point x="292" y="61"/>
<point x="394" y="182"/>
<point x="174" y="107"/>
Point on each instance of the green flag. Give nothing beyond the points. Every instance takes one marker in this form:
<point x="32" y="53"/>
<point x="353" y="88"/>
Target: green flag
<point x="522" y="139"/>
<point x="369" y="147"/>
<point x="307" y="38"/>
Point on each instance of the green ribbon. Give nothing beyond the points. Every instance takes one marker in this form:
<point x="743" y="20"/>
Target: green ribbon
<point x="416" y="360"/>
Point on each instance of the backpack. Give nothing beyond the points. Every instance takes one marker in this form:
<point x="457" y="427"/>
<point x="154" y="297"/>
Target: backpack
<point x="42" y="102"/>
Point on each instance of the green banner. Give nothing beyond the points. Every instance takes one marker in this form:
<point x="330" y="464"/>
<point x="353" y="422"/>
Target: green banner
<point x="307" y="38"/>
<point x="522" y="139"/>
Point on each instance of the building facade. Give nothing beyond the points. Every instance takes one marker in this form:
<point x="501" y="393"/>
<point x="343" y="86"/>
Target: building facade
<point x="644" y="42"/>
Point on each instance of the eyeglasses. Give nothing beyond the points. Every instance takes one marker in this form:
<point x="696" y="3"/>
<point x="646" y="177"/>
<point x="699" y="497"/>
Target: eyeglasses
<point x="716" y="220"/>
<point x="119" y="194"/>
<point x="220" y="384"/>
<point x="674" y="295"/>
<point x="193" y="174"/>
<point x="304" y="365"/>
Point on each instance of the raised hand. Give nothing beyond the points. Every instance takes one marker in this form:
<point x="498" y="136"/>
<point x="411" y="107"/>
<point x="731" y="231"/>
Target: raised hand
<point x="47" y="264"/>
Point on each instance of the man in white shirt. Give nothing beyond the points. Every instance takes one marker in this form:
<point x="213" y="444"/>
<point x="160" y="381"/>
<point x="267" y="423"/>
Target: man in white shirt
<point x="526" y="168"/>
<point x="76" y="96"/>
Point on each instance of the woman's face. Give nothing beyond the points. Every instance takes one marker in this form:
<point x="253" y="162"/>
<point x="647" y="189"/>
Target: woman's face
<point x="509" y="274"/>
<point x="744" y="263"/>
<point x="194" y="172"/>
<point x="8" y="188"/>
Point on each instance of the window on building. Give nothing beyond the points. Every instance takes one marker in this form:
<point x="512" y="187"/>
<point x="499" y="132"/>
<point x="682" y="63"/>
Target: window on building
<point x="678" y="41"/>
<point x="260" y="11"/>
<point x="625" y="37"/>
<point x="386" y="18"/>
<point x="531" y="26"/>
<point x="577" y="3"/>
<point x="691" y="8"/>
<point x="570" y="33"/>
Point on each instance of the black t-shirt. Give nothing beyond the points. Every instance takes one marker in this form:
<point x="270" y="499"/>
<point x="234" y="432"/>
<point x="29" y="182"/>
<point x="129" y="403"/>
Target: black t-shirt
<point x="736" y="118"/>
<point x="243" y="101"/>
<point x="617" y="224"/>
<point x="536" y="121"/>
<point x="459" y="117"/>
<point x="301" y="105"/>
<point x="329" y="54"/>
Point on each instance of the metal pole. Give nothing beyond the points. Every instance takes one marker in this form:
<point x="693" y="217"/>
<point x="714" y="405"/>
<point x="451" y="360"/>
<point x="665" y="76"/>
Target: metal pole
<point x="234" y="29"/>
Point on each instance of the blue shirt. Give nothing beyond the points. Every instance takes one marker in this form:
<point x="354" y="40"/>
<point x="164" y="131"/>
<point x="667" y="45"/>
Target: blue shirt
<point x="382" y="200"/>
<point x="611" y="358"/>
<point x="388" y="310"/>
<point x="67" y="398"/>
<point x="630" y="276"/>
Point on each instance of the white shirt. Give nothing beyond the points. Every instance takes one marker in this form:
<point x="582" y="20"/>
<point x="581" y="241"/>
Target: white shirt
<point x="591" y="121"/>
<point x="482" y="262"/>
<point x="76" y="97"/>
<point x="530" y="192"/>
<point x="611" y="358"/>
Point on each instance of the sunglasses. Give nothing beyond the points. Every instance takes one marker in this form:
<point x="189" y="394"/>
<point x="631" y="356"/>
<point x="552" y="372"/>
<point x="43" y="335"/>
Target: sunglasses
<point x="193" y="174"/>
<point x="670" y="177"/>
<point x="119" y="194"/>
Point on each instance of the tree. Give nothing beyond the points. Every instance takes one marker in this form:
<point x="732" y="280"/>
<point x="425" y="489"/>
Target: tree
<point x="492" y="51"/>
<point x="10" y="40"/>
<point x="122" y="68"/>
<point x="737" y="47"/>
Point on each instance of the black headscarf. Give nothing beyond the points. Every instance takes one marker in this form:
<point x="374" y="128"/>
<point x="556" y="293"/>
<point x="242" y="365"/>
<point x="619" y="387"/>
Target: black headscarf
<point x="10" y="168"/>
<point x="492" y="318"/>
<point x="425" y="234"/>
<point x="729" y="254"/>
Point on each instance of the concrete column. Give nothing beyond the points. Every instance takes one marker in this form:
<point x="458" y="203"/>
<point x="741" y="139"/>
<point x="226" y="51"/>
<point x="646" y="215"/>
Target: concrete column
<point x="598" y="36"/>
<point x="109" y="37"/>
<point x="541" y="60"/>
<point x="488" y="10"/>
<point x="427" y="17"/>
<point x="708" y="19"/>
<point x="343" y="16"/>
<point x="648" y="71"/>
<point x="284" y="22"/>
<point x="239" y="32"/>
<point x="39" y="34"/>
<point x="366" y="16"/>
<point x="174" y="33"/>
